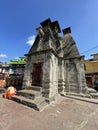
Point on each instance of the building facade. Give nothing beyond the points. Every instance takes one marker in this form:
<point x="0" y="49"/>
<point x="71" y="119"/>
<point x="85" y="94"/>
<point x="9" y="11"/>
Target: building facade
<point x="91" y="71"/>
<point x="12" y="73"/>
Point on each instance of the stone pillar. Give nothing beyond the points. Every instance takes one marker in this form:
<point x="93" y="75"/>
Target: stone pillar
<point x="50" y="76"/>
<point x="53" y="75"/>
<point x="61" y="76"/>
<point x="27" y="74"/>
<point x="46" y="77"/>
<point x="76" y="82"/>
<point x="67" y="86"/>
<point x="81" y="76"/>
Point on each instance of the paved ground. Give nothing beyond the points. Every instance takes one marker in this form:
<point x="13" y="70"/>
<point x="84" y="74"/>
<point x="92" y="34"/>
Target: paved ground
<point x="66" y="114"/>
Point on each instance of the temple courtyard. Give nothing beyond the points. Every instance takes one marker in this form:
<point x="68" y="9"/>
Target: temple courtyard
<point x="67" y="113"/>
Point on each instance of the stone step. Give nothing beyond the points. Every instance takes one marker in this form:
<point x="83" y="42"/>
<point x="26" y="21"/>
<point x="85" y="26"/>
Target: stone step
<point x="37" y="104"/>
<point x="30" y="94"/>
<point x="36" y="88"/>
<point x="91" y="90"/>
<point x="94" y="95"/>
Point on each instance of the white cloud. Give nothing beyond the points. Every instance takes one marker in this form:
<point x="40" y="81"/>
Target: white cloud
<point x="16" y="58"/>
<point x="3" y="56"/>
<point x="31" y="40"/>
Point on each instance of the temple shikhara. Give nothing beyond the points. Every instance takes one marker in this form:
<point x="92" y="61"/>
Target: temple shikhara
<point x="54" y="67"/>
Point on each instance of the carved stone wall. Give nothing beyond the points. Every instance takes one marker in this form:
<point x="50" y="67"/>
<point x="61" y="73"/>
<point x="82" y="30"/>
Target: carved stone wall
<point x="49" y="72"/>
<point x="62" y="68"/>
<point x="61" y="76"/>
<point x="76" y="82"/>
<point x="50" y="76"/>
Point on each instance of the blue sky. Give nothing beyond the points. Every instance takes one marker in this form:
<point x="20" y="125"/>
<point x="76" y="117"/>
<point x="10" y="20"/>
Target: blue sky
<point x="20" y="18"/>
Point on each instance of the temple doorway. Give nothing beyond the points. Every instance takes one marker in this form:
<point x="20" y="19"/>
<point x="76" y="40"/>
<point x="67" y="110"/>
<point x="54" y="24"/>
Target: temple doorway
<point x="37" y="74"/>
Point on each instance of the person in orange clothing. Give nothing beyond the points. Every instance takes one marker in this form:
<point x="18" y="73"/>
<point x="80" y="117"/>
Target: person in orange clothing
<point x="11" y="91"/>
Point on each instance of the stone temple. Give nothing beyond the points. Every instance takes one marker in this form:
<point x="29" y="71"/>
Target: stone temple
<point x="54" y="66"/>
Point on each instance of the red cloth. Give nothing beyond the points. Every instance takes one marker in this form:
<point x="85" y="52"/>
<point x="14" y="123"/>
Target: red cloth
<point x="9" y="95"/>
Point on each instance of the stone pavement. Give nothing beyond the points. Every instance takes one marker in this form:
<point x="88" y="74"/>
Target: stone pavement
<point x="65" y="114"/>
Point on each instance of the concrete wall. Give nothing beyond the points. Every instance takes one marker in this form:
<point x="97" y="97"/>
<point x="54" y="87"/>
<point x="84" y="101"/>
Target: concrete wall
<point x="91" y="66"/>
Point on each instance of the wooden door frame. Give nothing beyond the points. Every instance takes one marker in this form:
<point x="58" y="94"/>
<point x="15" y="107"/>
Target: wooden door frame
<point x="37" y="75"/>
